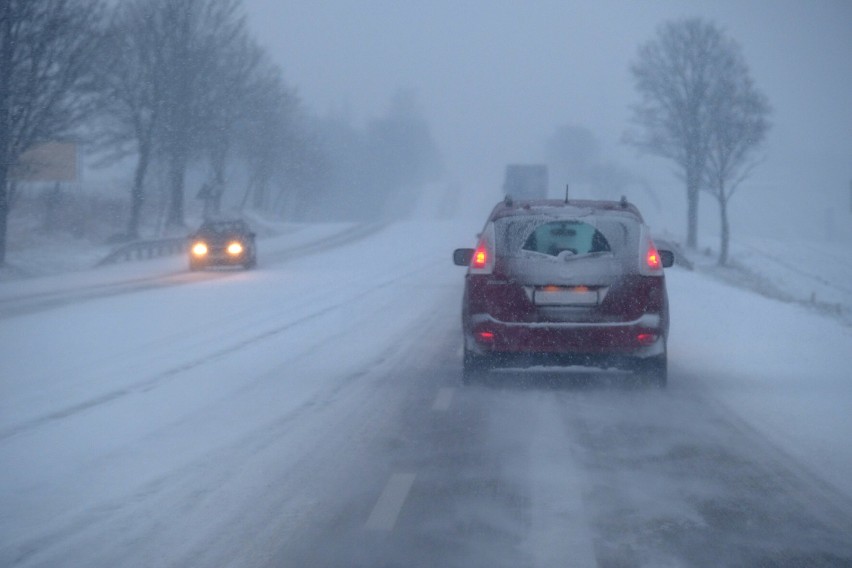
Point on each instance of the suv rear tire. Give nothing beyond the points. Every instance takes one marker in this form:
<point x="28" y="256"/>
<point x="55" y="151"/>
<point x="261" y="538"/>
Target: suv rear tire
<point x="653" y="370"/>
<point x="473" y="366"/>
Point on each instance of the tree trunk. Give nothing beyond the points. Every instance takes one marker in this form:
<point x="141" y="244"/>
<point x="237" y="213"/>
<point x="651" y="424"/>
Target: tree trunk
<point x="5" y="121"/>
<point x="692" y="192"/>
<point x="137" y="193"/>
<point x="218" y="181"/>
<point x="261" y="190"/>
<point x="177" y="167"/>
<point x="249" y="190"/>
<point x="4" y="211"/>
<point x="52" y="208"/>
<point x="692" y="219"/>
<point x="726" y="232"/>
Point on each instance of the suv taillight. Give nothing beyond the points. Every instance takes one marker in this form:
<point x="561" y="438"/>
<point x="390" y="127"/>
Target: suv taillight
<point x="480" y="257"/>
<point x="650" y="262"/>
<point x="653" y="258"/>
<point x="482" y="261"/>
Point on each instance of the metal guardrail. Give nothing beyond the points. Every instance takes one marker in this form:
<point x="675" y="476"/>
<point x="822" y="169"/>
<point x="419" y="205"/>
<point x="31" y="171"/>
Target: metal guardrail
<point x="141" y="250"/>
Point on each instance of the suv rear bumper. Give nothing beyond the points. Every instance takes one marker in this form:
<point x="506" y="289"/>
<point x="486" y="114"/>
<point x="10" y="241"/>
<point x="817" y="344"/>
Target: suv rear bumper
<point x="643" y="337"/>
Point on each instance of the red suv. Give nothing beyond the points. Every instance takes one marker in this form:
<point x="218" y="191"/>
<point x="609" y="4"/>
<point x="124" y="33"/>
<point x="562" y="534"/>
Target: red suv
<point x="565" y="282"/>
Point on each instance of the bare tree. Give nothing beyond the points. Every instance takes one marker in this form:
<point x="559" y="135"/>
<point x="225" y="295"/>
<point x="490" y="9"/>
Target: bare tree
<point x="366" y="174"/>
<point x="676" y="75"/>
<point x="183" y="80"/>
<point x="224" y="95"/>
<point x="193" y="35"/>
<point x="129" y="87"/>
<point x="268" y="135"/>
<point x="46" y="49"/>
<point x="738" y="126"/>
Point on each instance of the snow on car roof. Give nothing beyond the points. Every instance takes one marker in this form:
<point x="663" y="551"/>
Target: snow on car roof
<point x="559" y="207"/>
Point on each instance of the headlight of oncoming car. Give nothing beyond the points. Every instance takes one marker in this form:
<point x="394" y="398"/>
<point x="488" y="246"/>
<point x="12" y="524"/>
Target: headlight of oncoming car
<point x="199" y="249"/>
<point x="235" y="248"/>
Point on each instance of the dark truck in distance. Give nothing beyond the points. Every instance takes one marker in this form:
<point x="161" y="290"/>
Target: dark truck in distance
<point x="526" y="181"/>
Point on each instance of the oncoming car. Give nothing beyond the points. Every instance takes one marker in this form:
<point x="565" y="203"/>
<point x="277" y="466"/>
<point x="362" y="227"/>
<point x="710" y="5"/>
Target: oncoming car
<point x="574" y="282"/>
<point x="222" y="243"/>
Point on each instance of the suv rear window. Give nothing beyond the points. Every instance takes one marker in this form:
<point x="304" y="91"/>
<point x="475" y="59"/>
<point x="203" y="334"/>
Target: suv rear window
<point x="516" y="235"/>
<point x="575" y="237"/>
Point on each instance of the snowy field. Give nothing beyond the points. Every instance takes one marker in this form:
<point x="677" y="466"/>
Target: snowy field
<point x="144" y="408"/>
<point x="816" y="273"/>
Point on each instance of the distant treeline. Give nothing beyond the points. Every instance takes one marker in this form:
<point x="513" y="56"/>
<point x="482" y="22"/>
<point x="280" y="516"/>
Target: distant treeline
<point x="181" y="90"/>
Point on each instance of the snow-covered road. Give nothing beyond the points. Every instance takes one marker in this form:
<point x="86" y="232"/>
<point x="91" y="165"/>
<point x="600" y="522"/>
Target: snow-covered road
<point x="310" y="413"/>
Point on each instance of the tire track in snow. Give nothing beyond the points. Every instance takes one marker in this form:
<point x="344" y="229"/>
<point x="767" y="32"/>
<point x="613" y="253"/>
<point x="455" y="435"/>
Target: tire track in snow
<point x="343" y="414"/>
<point x="153" y="382"/>
<point x="31" y="303"/>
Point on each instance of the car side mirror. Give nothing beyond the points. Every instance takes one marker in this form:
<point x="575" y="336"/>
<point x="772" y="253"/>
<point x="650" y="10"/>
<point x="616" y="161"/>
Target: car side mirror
<point x="461" y="257"/>
<point x="667" y="258"/>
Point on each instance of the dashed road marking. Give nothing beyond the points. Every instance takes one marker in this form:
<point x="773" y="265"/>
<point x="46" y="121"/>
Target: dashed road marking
<point x="444" y="399"/>
<point x="386" y="511"/>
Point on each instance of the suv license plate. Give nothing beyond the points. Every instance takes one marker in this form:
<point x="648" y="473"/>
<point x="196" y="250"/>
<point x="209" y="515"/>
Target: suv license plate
<point x="565" y="297"/>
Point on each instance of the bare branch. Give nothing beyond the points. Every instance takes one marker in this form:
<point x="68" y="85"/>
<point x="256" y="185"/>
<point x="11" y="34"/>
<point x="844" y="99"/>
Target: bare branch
<point x="46" y="50"/>
<point x="675" y="75"/>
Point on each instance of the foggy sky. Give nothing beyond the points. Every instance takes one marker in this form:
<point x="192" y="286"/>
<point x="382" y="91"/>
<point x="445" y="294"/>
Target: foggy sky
<point x="495" y="78"/>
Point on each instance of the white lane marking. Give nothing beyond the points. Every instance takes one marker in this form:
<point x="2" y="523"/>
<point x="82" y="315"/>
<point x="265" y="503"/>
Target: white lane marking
<point x="444" y="399"/>
<point x="383" y="517"/>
